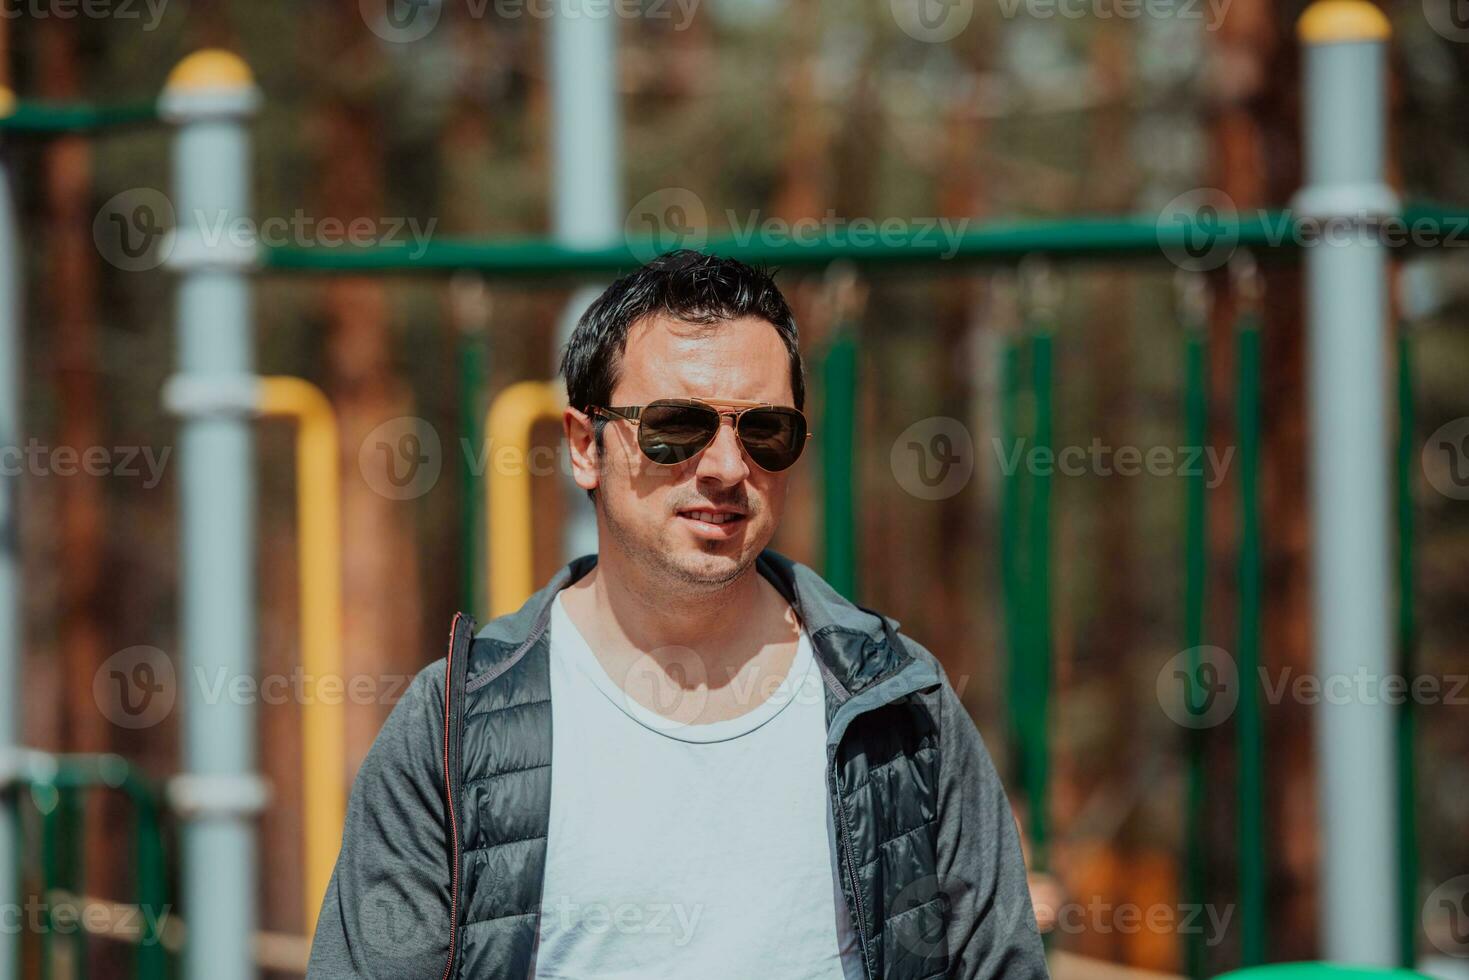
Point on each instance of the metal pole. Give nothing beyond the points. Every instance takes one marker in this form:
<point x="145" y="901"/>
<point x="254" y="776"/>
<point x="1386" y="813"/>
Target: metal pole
<point x="210" y="96"/>
<point x="319" y="547"/>
<point x="587" y="210"/>
<point x="11" y="283"/>
<point x="1347" y="302"/>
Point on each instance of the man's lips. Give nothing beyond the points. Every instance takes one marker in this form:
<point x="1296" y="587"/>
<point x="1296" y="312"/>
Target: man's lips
<point x="714" y="522"/>
<point x="713" y="515"/>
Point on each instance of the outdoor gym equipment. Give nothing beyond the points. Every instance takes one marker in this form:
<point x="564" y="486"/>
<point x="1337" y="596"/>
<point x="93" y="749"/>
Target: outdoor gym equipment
<point x="210" y="98"/>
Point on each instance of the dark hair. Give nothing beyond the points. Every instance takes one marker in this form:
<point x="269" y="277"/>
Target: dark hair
<point x="687" y="285"/>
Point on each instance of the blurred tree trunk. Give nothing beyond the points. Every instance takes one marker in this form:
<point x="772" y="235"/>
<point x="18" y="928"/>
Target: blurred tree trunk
<point x="1256" y="133"/>
<point x="965" y="560"/>
<point x="802" y="192"/>
<point x="382" y="638"/>
<point x="381" y="583"/>
<point x="1119" y="606"/>
<point x="70" y="306"/>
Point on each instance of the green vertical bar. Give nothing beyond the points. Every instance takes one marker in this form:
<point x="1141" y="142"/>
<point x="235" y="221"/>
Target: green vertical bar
<point x="74" y="816"/>
<point x="151" y="882"/>
<point x="1196" y="424"/>
<point x="1011" y="483"/>
<point x="20" y="865"/>
<point x="838" y="461"/>
<point x="1038" y="572"/>
<point x="1408" y="657"/>
<point x="471" y="483"/>
<point x="47" y="804"/>
<point x="1251" y="795"/>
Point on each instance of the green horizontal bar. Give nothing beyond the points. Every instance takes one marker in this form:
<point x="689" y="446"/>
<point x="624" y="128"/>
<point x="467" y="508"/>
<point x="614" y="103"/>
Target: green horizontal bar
<point x="875" y="244"/>
<point x="57" y="117"/>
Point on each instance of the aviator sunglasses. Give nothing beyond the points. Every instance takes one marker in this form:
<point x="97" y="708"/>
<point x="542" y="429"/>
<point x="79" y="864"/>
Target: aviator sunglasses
<point x="675" y="430"/>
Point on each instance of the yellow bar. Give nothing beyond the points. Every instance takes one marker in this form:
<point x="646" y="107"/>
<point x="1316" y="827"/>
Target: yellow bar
<point x="319" y="546"/>
<point x="507" y="488"/>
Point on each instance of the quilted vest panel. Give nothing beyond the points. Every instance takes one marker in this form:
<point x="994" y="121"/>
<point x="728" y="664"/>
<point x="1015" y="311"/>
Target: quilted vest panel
<point x="505" y="794"/>
<point x="887" y="777"/>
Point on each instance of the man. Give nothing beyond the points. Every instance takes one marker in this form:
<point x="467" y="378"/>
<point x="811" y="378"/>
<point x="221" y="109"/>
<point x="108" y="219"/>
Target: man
<point x="686" y="756"/>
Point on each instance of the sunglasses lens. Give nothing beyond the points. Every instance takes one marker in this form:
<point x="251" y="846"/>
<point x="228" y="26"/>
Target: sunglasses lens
<point x="672" y="433"/>
<point x="774" y="437"/>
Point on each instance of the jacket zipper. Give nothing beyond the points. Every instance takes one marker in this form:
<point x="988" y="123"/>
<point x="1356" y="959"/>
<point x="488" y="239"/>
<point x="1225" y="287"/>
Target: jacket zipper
<point x="449" y="798"/>
<point x="860" y="919"/>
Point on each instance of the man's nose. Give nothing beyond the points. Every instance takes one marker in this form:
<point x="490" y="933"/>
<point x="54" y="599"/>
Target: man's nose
<point x="724" y="460"/>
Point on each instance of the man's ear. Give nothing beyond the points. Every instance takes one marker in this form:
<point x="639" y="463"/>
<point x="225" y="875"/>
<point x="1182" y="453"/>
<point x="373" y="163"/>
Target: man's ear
<point x="581" y="445"/>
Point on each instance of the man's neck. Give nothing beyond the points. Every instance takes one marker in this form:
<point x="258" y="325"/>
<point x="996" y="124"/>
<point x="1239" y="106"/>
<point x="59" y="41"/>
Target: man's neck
<point x="744" y="630"/>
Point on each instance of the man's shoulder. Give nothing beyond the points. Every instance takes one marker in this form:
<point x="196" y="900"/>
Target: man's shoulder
<point x="943" y="698"/>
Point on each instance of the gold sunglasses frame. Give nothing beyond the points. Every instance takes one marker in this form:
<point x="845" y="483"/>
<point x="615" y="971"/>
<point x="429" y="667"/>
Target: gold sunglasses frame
<point x="731" y="408"/>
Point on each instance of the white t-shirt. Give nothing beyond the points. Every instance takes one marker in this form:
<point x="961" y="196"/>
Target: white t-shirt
<point x="688" y="852"/>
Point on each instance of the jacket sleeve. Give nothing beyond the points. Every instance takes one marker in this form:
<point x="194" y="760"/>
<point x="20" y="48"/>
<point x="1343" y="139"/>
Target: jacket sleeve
<point x="991" y="932"/>
<point x="386" y="913"/>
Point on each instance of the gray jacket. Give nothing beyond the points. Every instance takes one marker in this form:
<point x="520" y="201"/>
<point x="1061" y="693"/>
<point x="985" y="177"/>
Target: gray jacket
<point x="444" y="850"/>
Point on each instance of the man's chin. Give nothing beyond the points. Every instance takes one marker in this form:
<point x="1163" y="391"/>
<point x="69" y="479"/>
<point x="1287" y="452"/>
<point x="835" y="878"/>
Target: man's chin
<point x="710" y="566"/>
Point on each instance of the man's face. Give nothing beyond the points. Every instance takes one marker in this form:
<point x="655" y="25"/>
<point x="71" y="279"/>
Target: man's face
<point x="646" y="508"/>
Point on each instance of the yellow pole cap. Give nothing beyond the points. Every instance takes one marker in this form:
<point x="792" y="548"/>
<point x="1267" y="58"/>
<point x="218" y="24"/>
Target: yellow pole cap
<point x="7" y="101"/>
<point x="1342" y="21"/>
<point x="212" y="68"/>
